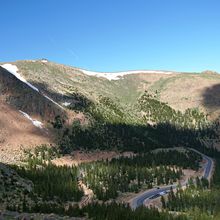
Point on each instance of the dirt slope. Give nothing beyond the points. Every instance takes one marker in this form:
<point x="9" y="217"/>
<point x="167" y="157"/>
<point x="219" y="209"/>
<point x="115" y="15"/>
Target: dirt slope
<point x="17" y="131"/>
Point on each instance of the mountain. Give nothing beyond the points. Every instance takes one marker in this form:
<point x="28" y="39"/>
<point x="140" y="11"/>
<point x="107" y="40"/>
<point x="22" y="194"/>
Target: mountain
<point x="40" y="91"/>
<point x="179" y="90"/>
<point x="128" y="132"/>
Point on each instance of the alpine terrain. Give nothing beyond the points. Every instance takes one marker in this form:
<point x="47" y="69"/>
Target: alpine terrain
<point x="79" y="144"/>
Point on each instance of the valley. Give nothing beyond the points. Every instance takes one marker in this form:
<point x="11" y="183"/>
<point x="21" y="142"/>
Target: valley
<point x="149" y="196"/>
<point x="80" y="144"/>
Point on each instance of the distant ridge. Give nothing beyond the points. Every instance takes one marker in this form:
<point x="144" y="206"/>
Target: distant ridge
<point x="118" y="75"/>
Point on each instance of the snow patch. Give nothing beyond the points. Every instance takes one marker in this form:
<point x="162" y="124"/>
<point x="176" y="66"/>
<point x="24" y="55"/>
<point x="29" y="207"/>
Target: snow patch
<point x="52" y="101"/>
<point x="66" y="103"/>
<point x="118" y="75"/>
<point x="14" y="70"/>
<point x="34" y="122"/>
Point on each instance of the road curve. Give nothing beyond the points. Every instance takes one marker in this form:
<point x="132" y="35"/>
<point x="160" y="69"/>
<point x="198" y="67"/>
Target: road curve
<point x="208" y="165"/>
<point x="154" y="193"/>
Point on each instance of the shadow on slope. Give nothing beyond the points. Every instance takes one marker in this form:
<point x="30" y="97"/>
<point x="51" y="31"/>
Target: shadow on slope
<point x="100" y="134"/>
<point x="139" y="137"/>
<point x="132" y="137"/>
<point x="74" y="100"/>
<point x="211" y="100"/>
<point x="22" y="97"/>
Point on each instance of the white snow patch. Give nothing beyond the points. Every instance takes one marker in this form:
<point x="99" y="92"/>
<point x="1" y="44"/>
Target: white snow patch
<point x="66" y="103"/>
<point x="118" y="75"/>
<point x="53" y="101"/>
<point x="14" y="70"/>
<point x="34" y="122"/>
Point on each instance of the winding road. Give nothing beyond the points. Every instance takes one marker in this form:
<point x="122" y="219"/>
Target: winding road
<point x="157" y="192"/>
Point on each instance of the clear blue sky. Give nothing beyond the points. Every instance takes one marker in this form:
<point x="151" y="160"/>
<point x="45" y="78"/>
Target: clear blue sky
<point x="113" y="35"/>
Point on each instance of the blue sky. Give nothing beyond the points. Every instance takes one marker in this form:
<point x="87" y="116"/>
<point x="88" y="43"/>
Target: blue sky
<point x="113" y="35"/>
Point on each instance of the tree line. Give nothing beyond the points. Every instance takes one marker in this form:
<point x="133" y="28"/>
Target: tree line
<point x="147" y="125"/>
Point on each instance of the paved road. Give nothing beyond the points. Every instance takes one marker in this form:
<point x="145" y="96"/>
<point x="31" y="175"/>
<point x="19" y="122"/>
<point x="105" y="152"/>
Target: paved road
<point x="154" y="193"/>
<point x="208" y="165"/>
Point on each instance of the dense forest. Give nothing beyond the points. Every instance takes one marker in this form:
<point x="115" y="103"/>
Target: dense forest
<point x="107" y="180"/>
<point x="156" y="112"/>
<point x="147" y="125"/>
<point x="119" y="211"/>
<point x="195" y="196"/>
<point x="101" y="211"/>
<point x="185" y="159"/>
<point x="56" y="187"/>
<point x="124" y="174"/>
<point x="199" y="195"/>
<point x="53" y="182"/>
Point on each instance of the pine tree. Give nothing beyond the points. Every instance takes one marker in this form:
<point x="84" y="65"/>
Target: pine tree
<point x="163" y="202"/>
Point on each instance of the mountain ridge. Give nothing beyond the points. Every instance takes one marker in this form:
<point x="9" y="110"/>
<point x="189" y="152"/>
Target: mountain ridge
<point x="70" y="79"/>
<point x="45" y="91"/>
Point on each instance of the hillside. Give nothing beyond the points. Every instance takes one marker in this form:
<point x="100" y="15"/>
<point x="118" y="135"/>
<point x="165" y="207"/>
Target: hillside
<point x="16" y="132"/>
<point x="24" y="117"/>
<point x="19" y="93"/>
<point x="179" y="90"/>
<point x="133" y="110"/>
<point x="132" y="132"/>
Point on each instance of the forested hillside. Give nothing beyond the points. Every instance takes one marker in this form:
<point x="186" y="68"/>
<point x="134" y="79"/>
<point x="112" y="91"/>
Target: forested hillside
<point x="146" y="125"/>
<point x="55" y="189"/>
<point x="107" y="179"/>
